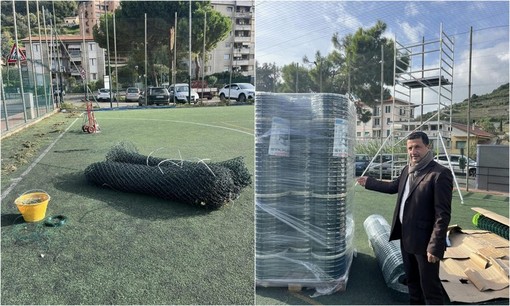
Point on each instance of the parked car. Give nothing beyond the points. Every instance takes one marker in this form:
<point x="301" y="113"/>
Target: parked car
<point x="237" y="91"/>
<point x="155" y="95"/>
<point x="133" y="94"/>
<point x="387" y="167"/>
<point x="181" y="93"/>
<point x="362" y="161"/>
<point x="455" y="161"/>
<point x="103" y="95"/>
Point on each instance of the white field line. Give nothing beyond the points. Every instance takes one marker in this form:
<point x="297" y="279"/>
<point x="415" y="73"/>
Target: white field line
<point x="17" y="180"/>
<point x="179" y="121"/>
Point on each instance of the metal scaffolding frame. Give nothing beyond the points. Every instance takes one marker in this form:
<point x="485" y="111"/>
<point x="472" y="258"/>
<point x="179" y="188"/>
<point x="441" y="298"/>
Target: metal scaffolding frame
<point x="436" y="79"/>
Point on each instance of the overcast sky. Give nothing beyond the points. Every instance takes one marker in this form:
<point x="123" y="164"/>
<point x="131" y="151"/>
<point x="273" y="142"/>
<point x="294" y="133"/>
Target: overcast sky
<point x="286" y="31"/>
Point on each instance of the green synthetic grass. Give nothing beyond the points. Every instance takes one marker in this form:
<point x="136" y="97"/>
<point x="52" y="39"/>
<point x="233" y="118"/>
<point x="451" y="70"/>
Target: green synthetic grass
<point x="120" y="248"/>
<point x="365" y="285"/>
<point x="124" y="248"/>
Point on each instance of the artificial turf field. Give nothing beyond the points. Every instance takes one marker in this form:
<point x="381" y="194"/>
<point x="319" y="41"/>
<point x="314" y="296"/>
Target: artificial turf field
<point x="126" y="248"/>
<point x="122" y="248"/>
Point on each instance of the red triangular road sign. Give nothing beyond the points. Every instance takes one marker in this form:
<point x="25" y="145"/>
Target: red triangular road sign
<point x="13" y="55"/>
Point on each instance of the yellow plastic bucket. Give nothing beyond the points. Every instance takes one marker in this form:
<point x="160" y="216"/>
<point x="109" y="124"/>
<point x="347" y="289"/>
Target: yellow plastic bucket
<point x="32" y="206"/>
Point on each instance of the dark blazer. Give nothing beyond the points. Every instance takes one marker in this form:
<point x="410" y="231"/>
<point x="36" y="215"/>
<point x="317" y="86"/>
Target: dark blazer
<point x="427" y="208"/>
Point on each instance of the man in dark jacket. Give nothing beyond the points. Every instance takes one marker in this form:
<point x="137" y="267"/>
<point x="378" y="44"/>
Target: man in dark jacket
<point x="421" y="217"/>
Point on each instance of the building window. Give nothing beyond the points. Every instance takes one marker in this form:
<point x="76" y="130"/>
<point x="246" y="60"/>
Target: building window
<point x="92" y="62"/>
<point x="388" y="120"/>
<point x="376" y="111"/>
<point x="36" y="47"/>
<point x="226" y="57"/>
<point x="358" y="134"/>
<point x="367" y="134"/>
<point x="387" y="133"/>
<point x="377" y="122"/>
<point x="94" y="76"/>
<point x="387" y="109"/>
<point x="460" y="144"/>
<point x="358" y="122"/>
<point x="91" y="47"/>
<point x="230" y="9"/>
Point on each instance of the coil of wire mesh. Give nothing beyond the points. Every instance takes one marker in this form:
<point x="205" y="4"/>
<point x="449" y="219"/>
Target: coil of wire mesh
<point x="387" y="252"/>
<point x="482" y="222"/>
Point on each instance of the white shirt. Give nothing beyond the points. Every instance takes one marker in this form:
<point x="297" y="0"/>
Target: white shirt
<point x="404" y="198"/>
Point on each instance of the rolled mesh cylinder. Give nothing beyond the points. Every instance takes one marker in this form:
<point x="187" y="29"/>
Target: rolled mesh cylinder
<point x="482" y="222"/>
<point x="387" y="253"/>
<point x="126" y="152"/>
<point x="209" y="185"/>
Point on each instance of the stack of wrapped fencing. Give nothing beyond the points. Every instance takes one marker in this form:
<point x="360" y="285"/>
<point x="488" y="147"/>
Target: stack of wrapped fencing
<point x="304" y="180"/>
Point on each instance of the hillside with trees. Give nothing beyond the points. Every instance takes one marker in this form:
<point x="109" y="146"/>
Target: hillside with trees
<point x="486" y="110"/>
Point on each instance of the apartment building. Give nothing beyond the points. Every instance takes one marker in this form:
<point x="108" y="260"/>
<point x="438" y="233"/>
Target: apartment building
<point x="72" y="56"/>
<point x="382" y="122"/>
<point x="91" y="10"/>
<point x="237" y="51"/>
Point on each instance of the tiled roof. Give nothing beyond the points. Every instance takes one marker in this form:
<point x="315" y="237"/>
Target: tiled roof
<point x="474" y="130"/>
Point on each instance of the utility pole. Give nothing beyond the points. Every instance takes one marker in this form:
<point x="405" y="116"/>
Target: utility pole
<point x="108" y="50"/>
<point x="34" y="76"/>
<point x="42" y="57"/>
<point x="203" y="60"/>
<point x="116" y="61"/>
<point x="189" y="64"/>
<point x="59" y="72"/>
<point x="83" y="56"/>
<point x="469" y="105"/>
<point x="145" y="71"/>
<point x="18" y="62"/>
<point x="382" y="105"/>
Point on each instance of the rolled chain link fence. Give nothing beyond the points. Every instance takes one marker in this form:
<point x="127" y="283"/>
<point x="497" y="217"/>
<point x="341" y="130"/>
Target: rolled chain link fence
<point x="210" y="185"/>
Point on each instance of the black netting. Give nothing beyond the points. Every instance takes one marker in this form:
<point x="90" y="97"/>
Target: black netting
<point x="210" y="185"/>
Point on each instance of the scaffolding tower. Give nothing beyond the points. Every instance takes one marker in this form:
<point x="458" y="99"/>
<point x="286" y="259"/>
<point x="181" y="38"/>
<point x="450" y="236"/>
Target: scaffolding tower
<point x="418" y="80"/>
<point x="434" y="80"/>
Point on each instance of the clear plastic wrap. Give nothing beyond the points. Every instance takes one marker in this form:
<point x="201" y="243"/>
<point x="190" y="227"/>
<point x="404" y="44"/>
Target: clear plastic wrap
<point x="387" y="252"/>
<point x="304" y="174"/>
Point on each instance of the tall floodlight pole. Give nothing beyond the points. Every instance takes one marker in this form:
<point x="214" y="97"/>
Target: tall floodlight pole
<point x="174" y="63"/>
<point x="116" y="60"/>
<point x="203" y="59"/>
<point x="189" y="64"/>
<point x="60" y="85"/>
<point x="50" y="58"/>
<point x="83" y="72"/>
<point x="108" y="50"/>
<point x="18" y="62"/>
<point x="232" y="50"/>
<point x="33" y="61"/>
<point x="469" y="104"/>
<point x="382" y="105"/>
<point x="42" y="57"/>
<point x="145" y="71"/>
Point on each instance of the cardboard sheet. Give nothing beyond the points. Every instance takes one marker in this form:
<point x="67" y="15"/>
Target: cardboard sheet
<point x="475" y="267"/>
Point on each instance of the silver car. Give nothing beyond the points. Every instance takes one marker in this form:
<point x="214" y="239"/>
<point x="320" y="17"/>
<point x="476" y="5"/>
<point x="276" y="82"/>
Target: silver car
<point x="133" y="94"/>
<point x="455" y="161"/>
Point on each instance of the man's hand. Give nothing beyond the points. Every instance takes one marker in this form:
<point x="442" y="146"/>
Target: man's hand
<point x="431" y="258"/>
<point x="362" y="180"/>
